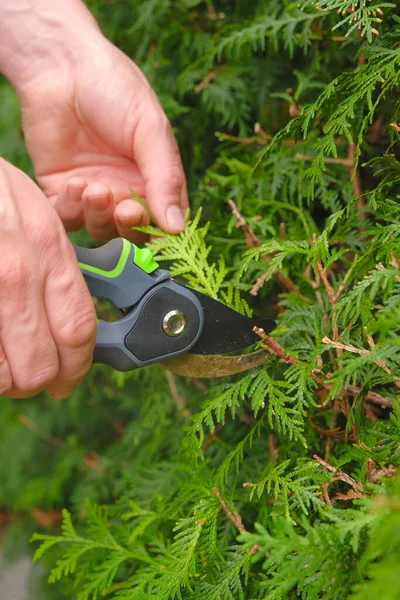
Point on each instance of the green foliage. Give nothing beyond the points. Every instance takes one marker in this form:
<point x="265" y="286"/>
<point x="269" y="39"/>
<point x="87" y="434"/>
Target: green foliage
<point x="362" y="16"/>
<point x="176" y="489"/>
<point x="296" y="483"/>
<point x="187" y="257"/>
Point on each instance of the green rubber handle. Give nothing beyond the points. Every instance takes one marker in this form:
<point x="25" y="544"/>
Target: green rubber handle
<point x="110" y="260"/>
<point x="119" y="271"/>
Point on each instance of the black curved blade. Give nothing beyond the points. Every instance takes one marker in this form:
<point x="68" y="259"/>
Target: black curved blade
<point x="225" y="330"/>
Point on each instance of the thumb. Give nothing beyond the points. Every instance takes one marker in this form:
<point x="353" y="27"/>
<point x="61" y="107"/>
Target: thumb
<point x="156" y="153"/>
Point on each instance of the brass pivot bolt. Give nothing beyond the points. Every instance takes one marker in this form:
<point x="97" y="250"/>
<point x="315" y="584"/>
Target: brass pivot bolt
<point x="174" y="323"/>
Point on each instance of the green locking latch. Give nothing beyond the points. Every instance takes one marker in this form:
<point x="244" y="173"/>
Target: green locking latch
<point x="143" y="258"/>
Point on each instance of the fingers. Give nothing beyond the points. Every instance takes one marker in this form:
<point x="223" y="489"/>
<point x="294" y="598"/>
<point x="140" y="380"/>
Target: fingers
<point x="47" y="317"/>
<point x="157" y="157"/>
<point x="95" y="206"/>
<point x="98" y="207"/>
<point x="72" y="321"/>
<point x="26" y="367"/>
<point x="69" y="203"/>
<point x="105" y="220"/>
<point x="129" y="214"/>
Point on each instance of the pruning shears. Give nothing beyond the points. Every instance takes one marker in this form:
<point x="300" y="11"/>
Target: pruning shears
<point x="162" y="321"/>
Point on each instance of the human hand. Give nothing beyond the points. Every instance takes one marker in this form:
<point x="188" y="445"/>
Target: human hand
<point x="94" y="130"/>
<point x="47" y="317"/>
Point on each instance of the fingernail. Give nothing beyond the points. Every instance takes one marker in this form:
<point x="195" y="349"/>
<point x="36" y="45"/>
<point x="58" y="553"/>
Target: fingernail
<point x="175" y="219"/>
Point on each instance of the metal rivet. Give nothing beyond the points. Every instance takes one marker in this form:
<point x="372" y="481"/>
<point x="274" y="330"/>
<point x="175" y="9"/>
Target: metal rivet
<point x="174" y="323"/>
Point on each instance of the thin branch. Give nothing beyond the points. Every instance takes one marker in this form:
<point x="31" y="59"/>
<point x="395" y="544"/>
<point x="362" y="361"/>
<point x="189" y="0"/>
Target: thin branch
<point x="324" y="487"/>
<point x="327" y="160"/>
<point x="43" y="435"/>
<point x="259" y="283"/>
<point x="349" y="164"/>
<point x="235" y="518"/>
<point x="255" y="139"/>
<point x="339" y="475"/>
<point x="383" y="401"/>
<point x="329" y="289"/>
<point x="373" y="474"/>
<point x="395" y="263"/>
<point x="258" y="130"/>
<point x="211" y="11"/>
<point x="180" y="401"/>
<point x="347" y="276"/>
<point x="273" y="347"/>
<point x="207" y="79"/>
<point x="273" y="449"/>
<point x="380" y="267"/>
<point x="211" y="437"/>
<point x="251" y="239"/>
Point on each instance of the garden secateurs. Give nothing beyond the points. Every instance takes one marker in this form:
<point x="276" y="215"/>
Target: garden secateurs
<point x="162" y="321"/>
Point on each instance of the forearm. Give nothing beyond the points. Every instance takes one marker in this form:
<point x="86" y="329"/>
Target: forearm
<point x="40" y="35"/>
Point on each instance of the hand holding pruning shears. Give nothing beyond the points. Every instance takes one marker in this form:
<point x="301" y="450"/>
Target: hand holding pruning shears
<point x="94" y="130"/>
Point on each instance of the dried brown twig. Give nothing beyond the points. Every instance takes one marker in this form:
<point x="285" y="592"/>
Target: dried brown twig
<point x="235" y="518"/>
<point x="357" y="489"/>
<point x="374" y="474"/>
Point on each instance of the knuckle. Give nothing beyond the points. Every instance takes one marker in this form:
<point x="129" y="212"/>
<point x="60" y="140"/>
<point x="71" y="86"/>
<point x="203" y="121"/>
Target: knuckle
<point x="48" y="236"/>
<point x="174" y="178"/>
<point x="36" y="377"/>
<point x="79" y="329"/>
<point x="171" y="177"/>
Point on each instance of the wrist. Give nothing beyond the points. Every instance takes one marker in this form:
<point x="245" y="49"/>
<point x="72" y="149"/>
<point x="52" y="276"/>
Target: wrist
<point x="40" y="37"/>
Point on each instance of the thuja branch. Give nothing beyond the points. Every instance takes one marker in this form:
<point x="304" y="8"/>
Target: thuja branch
<point x="350" y="164"/>
<point x="274" y="348"/>
<point x="362" y="352"/>
<point x="253" y="242"/>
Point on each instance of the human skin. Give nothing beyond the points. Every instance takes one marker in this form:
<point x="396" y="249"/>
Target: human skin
<point x="47" y="318"/>
<point x="93" y="126"/>
<point x="94" y="130"/>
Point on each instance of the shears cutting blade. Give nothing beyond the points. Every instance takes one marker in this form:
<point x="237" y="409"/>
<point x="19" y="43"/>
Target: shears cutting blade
<point x="162" y="321"/>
